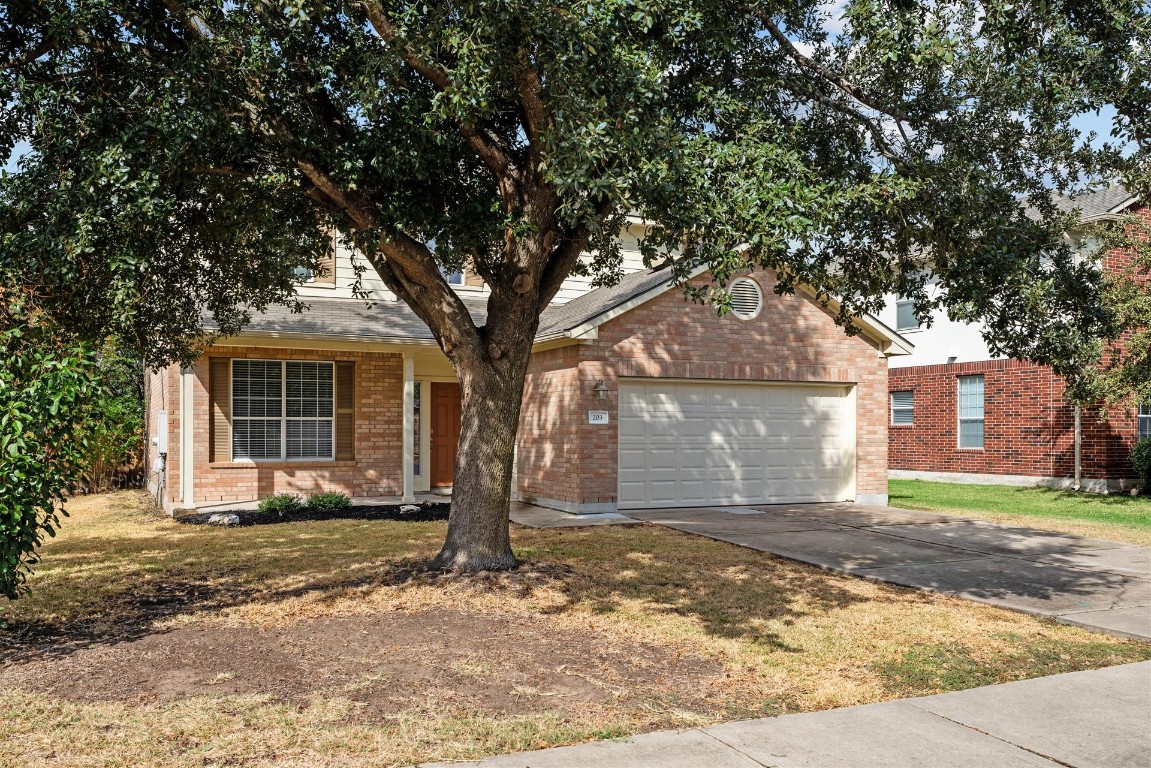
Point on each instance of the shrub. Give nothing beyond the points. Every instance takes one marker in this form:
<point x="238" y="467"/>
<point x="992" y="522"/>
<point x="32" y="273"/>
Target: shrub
<point x="281" y="504"/>
<point x="329" y="501"/>
<point x="47" y="386"/>
<point x="1141" y="460"/>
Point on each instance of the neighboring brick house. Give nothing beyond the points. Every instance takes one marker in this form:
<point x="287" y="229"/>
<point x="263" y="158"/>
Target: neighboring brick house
<point x="634" y="398"/>
<point x="958" y="414"/>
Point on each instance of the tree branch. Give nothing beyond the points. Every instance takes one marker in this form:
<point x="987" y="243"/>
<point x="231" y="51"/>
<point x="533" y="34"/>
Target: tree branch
<point x="882" y="145"/>
<point x="31" y="55"/>
<point x="489" y="147"/>
<point x="564" y="257"/>
<point x="815" y="67"/>
<point x="536" y="117"/>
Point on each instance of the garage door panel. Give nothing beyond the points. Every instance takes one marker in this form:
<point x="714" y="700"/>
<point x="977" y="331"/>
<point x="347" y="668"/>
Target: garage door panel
<point x="692" y="459"/>
<point x="662" y="459"/>
<point x="688" y="444"/>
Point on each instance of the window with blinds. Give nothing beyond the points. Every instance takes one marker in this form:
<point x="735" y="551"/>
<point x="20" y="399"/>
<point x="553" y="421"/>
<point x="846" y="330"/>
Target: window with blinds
<point x="905" y="319"/>
<point x="282" y="409"/>
<point x="902" y="408"/>
<point x="970" y="411"/>
<point x="1144" y="419"/>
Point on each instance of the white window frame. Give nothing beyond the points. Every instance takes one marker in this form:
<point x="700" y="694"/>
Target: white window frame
<point x="899" y="305"/>
<point x="970" y="419"/>
<point x="284" y="418"/>
<point x="910" y="408"/>
<point x="1143" y="421"/>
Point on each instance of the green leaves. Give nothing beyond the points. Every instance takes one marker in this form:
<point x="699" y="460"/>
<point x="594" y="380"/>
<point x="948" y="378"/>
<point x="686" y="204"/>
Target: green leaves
<point x="902" y="147"/>
<point x="46" y="389"/>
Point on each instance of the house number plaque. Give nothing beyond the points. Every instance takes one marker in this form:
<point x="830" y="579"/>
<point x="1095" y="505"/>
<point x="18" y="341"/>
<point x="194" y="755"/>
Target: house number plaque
<point x="597" y="417"/>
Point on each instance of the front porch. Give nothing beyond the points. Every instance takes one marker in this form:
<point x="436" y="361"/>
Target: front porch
<point x="266" y="416"/>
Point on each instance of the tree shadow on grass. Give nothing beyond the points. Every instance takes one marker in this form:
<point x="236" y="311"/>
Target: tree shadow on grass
<point x="106" y="590"/>
<point x="729" y="591"/>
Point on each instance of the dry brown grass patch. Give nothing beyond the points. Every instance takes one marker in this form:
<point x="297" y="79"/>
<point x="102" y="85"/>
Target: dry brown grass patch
<point x="146" y="642"/>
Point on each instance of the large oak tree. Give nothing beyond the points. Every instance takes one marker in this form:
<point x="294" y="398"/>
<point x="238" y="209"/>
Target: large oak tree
<point x="181" y="157"/>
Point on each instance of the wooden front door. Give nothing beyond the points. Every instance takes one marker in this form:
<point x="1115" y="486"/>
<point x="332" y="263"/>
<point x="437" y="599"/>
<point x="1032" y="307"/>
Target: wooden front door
<point x="445" y="432"/>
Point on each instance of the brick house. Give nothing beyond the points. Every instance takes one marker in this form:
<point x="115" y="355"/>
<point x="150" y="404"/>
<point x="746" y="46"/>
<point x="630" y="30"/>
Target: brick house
<point x="959" y="414"/>
<point x="634" y="398"/>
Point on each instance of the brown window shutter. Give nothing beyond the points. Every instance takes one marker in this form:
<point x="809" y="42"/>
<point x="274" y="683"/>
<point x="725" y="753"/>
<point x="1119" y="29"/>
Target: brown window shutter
<point x="327" y="273"/>
<point x="220" y="392"/>
<point x="345" y="411"/>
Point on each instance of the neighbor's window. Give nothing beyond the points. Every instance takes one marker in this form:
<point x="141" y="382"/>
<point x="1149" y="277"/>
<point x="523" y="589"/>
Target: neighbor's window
<point x="1145" y="420"/>
<point x="902" y="408"/>
<point x="282" y="409"/>
<point x="453" y="278"/>
<point x="905" y="319"/>
<point x="970" y="411"/>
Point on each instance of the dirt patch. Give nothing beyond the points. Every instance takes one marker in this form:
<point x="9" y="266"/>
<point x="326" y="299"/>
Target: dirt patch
<point x="429" y="511"/>
<point x="498" y="664"/>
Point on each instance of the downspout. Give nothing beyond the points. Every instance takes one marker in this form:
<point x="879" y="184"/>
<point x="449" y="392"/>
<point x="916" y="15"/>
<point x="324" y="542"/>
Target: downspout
<point x="1078" y="449"/>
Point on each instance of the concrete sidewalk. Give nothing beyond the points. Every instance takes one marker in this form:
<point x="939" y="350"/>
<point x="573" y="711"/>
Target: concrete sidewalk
<point x="1100" y="585"/>
<point x="1096" y="719"/>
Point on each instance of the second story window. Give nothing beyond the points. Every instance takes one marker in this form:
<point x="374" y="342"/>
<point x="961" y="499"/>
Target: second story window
<point x="453" y="278"/>
<point x="905" y="319"/>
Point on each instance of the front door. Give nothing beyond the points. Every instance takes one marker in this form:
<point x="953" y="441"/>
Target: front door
<point x="445" y="432"/>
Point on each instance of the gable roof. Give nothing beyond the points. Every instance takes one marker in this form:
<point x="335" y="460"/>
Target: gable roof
<point x="556" y="321"/>
<point x="583" y="315"/>
<point x="395" y="322"/>
<point x="1099" y="204"/>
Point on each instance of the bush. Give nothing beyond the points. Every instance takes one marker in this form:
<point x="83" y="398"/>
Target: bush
<point x="281" y="504"/>
<point x="329" y="501"/>
<point x="115" y="422"/>
<point x="1141" y="460"/>
<point x="47" y="386"/>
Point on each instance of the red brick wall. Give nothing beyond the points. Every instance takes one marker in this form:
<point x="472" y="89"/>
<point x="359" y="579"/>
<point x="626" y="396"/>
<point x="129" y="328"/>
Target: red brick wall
<point x="549" y="455"/>
<point x="162" y="394"/>
<point x="1028" y="426"/>
<point x="376" y="470"/>
<point x="792" y="339"/>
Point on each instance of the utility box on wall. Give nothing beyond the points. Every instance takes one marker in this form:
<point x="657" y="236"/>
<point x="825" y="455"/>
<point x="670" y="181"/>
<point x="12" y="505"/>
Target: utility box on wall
<point x="161" y="438"/>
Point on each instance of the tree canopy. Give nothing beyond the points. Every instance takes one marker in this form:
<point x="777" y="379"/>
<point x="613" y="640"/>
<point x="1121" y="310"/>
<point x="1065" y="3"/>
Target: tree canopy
<point x="185" y="155"/>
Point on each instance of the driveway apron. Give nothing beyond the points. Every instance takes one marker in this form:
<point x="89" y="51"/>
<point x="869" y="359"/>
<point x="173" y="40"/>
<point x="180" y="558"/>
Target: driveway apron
<point x="1100" y="585"/>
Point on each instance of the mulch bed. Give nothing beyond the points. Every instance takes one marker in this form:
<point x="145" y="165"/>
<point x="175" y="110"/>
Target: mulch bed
<point x="429" y="512"/>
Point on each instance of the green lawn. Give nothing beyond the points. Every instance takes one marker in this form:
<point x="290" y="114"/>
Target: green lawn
<point x="1116" y="517"/>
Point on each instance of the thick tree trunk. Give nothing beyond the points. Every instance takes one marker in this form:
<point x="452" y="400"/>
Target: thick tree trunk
<point x="492" y="391"/>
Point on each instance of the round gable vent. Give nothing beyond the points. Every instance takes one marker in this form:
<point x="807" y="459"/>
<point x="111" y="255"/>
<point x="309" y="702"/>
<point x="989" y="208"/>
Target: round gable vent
<point x="746" y="298"/>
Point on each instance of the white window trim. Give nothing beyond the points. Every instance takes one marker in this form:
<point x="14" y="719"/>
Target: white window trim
<point x="1143" y="415"/>
<point x="892" y="409"/>
<point x="961" y="419"/>
<point x="911" y="328"/>
<point x="284" y="418"/>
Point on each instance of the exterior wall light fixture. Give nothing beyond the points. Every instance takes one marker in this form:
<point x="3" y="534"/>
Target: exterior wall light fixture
<point x="600" y="390"/>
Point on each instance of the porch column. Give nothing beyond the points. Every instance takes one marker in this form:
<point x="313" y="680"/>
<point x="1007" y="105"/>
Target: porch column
<point x="187" y="435"/>
<point x="409" y="429"/>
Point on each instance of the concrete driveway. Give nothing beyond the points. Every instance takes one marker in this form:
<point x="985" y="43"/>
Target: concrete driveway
<point x="1100" y="585"/>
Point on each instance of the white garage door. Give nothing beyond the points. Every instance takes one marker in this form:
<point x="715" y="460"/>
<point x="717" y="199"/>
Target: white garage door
<point x="692" y="444"/>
